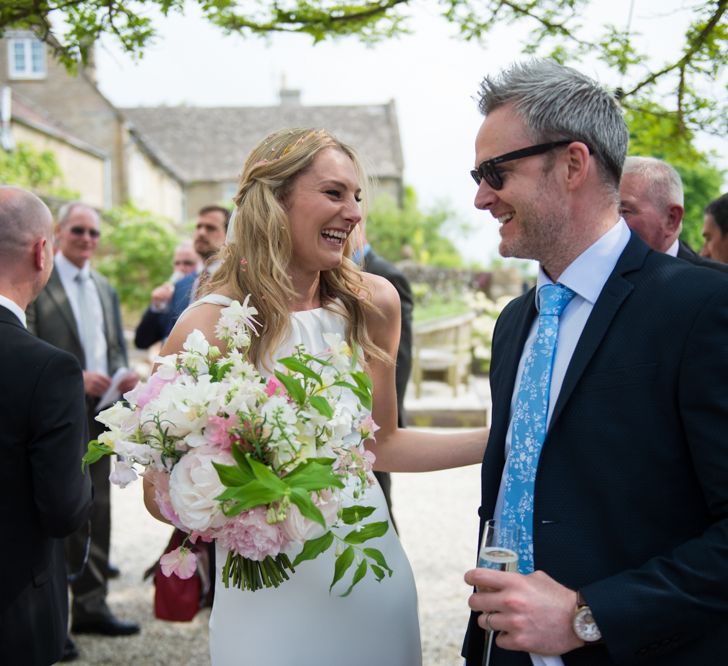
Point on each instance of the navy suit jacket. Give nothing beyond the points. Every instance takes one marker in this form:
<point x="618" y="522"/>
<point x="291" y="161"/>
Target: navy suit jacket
<point x="156" y="326"/>
<point x="43" y="494"/>
<point x="631" y="496"/>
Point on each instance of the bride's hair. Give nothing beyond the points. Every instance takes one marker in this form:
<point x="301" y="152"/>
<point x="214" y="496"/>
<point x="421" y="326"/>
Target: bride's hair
<point x="259" y="249"/>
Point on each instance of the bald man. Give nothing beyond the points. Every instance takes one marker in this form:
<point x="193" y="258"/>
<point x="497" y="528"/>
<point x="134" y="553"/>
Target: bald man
<point x="43" y="494"/>
<point x="651" y="194"/>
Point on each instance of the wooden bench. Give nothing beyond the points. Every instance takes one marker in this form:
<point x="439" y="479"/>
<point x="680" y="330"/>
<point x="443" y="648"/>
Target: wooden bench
<point x="443" y="345"/>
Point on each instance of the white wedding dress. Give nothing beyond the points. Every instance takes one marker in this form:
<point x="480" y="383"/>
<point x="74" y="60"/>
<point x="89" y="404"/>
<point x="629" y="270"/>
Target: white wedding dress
<point x="300" y="623"/>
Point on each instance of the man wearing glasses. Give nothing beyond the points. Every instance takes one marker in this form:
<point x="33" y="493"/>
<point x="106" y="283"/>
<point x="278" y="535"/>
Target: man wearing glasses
<point x="78" y="311"/>
<point x="607" y="453"/>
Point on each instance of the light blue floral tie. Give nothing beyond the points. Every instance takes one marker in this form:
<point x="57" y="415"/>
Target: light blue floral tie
<point x="528" y="427"/>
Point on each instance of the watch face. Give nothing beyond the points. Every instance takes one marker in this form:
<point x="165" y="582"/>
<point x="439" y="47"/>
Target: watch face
<point x="584" y="625"/>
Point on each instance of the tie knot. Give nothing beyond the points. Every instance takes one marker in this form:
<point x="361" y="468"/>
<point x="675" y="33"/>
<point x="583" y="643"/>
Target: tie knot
<point x="554" y="298"/>
<point x="81" y="277"/>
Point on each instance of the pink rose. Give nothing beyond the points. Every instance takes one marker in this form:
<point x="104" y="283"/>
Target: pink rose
<point x="181" y="561"/>
<point x="250" y="535"/>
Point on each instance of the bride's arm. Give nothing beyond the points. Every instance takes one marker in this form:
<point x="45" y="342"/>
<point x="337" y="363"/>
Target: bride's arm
<point x="405" y="449"/>
<point x="203" y="318"/>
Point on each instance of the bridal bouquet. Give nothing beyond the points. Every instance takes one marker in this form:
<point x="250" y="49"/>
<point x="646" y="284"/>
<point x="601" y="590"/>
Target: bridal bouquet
<point x="261" y="464"/>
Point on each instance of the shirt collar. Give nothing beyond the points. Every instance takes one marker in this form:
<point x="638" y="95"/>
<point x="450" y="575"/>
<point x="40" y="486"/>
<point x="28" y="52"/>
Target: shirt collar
<point x="68" y="270"/>
<point x="587" y="274"/>
<point x="14" y="308"/>
<point x="672" y="250"/>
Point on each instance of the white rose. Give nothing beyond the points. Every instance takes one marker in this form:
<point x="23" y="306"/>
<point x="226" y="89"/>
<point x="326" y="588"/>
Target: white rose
<point x="299" y="529"/>
<point x="194" y="485"/>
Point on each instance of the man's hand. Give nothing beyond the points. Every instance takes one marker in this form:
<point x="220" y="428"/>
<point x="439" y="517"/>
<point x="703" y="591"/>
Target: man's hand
<point x="531" y="613"/>
<point x="95" y="383"/>
<point x="161" y="295"/>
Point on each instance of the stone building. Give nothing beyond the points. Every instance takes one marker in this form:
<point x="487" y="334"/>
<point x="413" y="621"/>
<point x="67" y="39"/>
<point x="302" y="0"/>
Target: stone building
<point x="168" y="160"/>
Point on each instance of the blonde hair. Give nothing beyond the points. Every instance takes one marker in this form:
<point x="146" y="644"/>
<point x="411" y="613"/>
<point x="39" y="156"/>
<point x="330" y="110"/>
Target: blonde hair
<point x="259" y="249"/>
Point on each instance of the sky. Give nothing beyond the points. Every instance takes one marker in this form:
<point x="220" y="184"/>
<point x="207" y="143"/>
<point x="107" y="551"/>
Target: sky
<point x="432" y="76"/>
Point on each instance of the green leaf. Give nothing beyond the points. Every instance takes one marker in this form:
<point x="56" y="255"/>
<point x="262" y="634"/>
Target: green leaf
<point x="343" y="562"/>
<point x="306" y="506"/>
<point x="314" y="474"/>
<point x="242" y="459"/>
<point x="353" y="514"/>
<point x="266" y="476"/>
<point x="365" y="397"/>
<point x="370" y="531"/>
<point x="360" y="572"/>
<point x="363" y="380"/>
<point x="378" y="573"/>
<point x="231" y="475"/>
<point x="218" y="372"/>
<point x="377" y="556"/>
<point x="313" y="548"/>
<point x="96" y="451"/>
<point x="292" y="363"/>
<point x="322" y="406"/>
<point x="249" y="496"/>
<point x="293" y="387"/>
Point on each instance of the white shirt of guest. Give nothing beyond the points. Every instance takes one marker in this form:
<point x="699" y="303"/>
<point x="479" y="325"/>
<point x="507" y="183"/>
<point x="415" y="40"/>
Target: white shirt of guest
<point x="672" y="250"/>
<point x="586" y="276"/>
<point x="14" y="308"/>
<point x="96" y="358"/>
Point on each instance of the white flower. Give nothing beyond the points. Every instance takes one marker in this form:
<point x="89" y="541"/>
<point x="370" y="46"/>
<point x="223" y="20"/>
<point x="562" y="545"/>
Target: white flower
<point x="194" y="485"/>
<point x="123" y="474"/>
<point x="299" y="529"/>
<point x="236" y="322"/>
<point x="339" y="350"/>
<point x="166" y="366"/>
<point x="134" y="452"/>
<point x="118" y="416"/>
<point x="196" y="343"/>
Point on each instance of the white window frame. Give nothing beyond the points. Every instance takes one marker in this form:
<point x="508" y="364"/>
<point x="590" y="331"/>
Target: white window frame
<point x="27" y="72"/>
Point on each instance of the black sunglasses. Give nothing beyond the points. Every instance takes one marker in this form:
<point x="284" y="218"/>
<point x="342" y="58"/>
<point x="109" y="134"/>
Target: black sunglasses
<point x="489" y="172"/>
<point x="80" y="231"/>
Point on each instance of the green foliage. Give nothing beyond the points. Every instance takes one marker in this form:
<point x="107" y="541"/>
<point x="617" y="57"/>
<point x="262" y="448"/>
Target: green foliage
<point x="697" y="61"/>
<point x="136" y="253"/>
<point x="655" y="133"/>
<point x="33" y="170"/>
<point x="391" y="228"/>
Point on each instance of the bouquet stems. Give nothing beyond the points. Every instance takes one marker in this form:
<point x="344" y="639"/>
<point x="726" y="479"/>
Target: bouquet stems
<point x="252" y="575"/>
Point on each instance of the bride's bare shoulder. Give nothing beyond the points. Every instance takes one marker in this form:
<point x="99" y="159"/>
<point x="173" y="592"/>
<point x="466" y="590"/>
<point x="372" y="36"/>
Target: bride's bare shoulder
<point x="203" y="317"/>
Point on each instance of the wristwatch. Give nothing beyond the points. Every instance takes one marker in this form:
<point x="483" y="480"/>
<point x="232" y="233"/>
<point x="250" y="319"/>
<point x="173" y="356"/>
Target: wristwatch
<point x="583" y="622"/>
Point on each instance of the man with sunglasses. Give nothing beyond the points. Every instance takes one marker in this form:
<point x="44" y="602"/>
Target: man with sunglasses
<point x="78" y="311"/>
<point x="607" y="452"/>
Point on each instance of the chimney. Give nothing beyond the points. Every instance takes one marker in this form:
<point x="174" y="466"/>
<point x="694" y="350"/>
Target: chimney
<point x="290" y="97"/>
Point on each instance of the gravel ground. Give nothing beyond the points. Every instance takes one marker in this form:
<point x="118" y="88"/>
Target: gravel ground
<point x="437" y="520"/>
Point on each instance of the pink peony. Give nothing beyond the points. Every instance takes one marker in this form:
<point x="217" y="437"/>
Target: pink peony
<point x="181" y="561"/>
<point x="299" y="528"/>
<point x="217" y="430"/>
<point x="250" y="535"/>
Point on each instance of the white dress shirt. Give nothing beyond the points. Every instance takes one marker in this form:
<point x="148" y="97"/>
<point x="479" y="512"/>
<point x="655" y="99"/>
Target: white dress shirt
<point x="97" y="357"/>
<point x="672" y="250"/>
<point x="586" y="276"/>
<point x="14" y="308"/>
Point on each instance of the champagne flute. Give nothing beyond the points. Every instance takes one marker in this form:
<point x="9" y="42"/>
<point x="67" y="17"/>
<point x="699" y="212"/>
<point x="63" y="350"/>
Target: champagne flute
<point x="499" y="551"/>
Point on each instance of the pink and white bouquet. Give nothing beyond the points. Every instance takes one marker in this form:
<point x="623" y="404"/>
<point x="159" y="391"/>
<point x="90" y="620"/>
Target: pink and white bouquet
<point x="263" y="465"/>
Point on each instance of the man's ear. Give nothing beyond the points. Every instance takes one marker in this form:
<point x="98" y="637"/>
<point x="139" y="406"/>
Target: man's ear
<point x="675" y="214"/>
<point x="578" y="164"/>
<point x="39" y="254"/>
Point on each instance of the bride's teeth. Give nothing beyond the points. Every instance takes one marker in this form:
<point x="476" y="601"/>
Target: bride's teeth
<point x="334" y="233"/>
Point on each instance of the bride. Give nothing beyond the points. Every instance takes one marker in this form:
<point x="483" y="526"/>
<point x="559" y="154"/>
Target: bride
<point x="289" y="246"/>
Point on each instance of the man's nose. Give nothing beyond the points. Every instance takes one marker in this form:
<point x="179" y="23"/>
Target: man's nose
<point x="485" y="197"/>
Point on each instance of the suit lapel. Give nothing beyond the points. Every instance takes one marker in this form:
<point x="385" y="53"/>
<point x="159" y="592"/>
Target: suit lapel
<point x="58" y="295"/>
<point x="616" y="289"/>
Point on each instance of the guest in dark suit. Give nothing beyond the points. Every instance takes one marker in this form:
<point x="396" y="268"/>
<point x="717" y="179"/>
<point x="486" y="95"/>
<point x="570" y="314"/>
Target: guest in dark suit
<point x="619" y="486"/>
<point x="651" y="195"/>
<point x="715" y="230"/>
<point x="78" y="311"/>
<point x="209" y="237"/>
<point x="373" y="263"/>
<point x="43" y="494"/>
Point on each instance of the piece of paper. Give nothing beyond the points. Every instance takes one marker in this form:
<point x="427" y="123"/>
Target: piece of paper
<point x="113" y="393"/>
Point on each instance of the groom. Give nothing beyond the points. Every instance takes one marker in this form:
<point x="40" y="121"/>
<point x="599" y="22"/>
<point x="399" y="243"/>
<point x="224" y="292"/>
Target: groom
<point x="608" y="446"/>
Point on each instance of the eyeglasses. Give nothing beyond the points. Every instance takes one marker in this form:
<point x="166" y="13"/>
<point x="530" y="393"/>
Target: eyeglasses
<point x="80" y="231"/>
<point x="185" y="262"/>
<point x="489" y="172"/>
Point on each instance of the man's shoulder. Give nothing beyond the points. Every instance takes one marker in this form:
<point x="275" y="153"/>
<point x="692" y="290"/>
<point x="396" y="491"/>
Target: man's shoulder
<point x="21" y="343"/>
<point x="102" y="281"/>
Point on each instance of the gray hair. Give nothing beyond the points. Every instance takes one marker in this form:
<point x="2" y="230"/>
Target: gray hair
<point x="664" y="185"/>
<point x="23" y="218"/>
<point x="66" y="210"/>
<point x="557" y="102"/>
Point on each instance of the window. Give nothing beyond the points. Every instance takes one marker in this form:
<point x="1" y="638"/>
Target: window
<point x="26" y="58"/>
